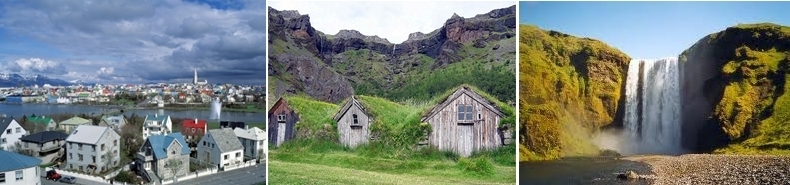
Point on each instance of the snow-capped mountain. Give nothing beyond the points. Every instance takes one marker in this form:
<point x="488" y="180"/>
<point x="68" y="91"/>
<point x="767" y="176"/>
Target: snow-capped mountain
<point x="13" y="80"/>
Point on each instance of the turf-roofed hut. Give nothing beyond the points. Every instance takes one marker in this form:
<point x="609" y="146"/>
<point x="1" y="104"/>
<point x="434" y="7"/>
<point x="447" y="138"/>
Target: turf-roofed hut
<point x="353" y="123"/>
<point x="282" y="122"/>
<point x="464" y="122"/>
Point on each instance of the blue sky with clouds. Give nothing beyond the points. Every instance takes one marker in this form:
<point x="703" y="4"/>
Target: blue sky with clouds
<point x="649" y="29"/>
<point x="135" y="41"/>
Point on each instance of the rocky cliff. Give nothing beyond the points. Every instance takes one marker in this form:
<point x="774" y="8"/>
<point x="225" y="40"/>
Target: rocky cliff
<point x="733" y="89"/>
<point x="569" y="87"/>
<point x="478" y="51"/>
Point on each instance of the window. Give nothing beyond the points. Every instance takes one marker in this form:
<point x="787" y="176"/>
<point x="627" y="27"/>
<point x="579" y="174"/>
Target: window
<point x="281" y="118"/>
<point x="204" y="143"/>
<point x="70" y="156"/>
<point x="464" y="112"/>
<point x="18" y="130"/>
<point x="2" y="177"/>
<point x="102" y="147"/>
<point x="193" y="130"/>
<point x="26" y="145"/>
<point x="80" y="159"/>
<point x="93" y="147"/>
<point x="8" y="131"/>
<point x="4" y="141"/>
<point x="226" y="156"/>
<point x="173" y="152"/>
<point x="356" y="121"/>
<point x="81" y="168"/>
<point x="79" y="146"/>
<point x="94" y="158"/>
<point x="115" y="142"/>
<point x="71" y="145"/>
<point x="19" y="175"/>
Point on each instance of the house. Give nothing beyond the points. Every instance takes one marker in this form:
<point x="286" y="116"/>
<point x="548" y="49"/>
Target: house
<point x="252" y="140"/>
<point x="11" y="132"/>
<point x="92" y="149"/>
<point x="464" y="122"/>
<point x="353" y="123"/>
<point x="156" y="125"/>
<point x="282" y="121"/>
<point x="115" y="122"/>
<point x="232" y="124"/>
<point x="71" y="123"/>
<point x="220" y="147"/>
<point x="43" y="143"/>
<point x="19" y="169"/>
<point x="165" y="156"/>
<point x="193" y="129"/>
<point x="46" y="122"/>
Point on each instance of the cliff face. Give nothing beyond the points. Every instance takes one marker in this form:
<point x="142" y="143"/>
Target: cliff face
<point x="459" y="52"/>
<point x="733" y="88"/>
<point x="569" y="87"/>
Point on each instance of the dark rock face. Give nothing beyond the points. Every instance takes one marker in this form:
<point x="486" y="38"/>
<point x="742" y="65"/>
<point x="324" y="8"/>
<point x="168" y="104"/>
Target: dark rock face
<point x="315" y="80"/>
<point x="703" y="82"/>
<point x="443" y="45"/>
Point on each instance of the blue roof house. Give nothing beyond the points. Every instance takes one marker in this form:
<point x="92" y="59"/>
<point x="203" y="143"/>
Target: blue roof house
<point x="19" y="169"/>
<point x="163" y="157"/>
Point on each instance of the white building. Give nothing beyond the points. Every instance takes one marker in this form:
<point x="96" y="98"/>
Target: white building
<point x="11" y="132"/>
<point x="92" y="149"/>
<point x="157" y="125"/>
<point x="220" y="147"/>
<point x="253" y="140"/>
<point x="19" y="169"/>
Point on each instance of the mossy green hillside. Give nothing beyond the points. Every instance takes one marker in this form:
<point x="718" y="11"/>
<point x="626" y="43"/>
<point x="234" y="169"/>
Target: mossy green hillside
<point x="392" y="155"/>
<point x="753" y="102"/>
<point x="570" y="87"/>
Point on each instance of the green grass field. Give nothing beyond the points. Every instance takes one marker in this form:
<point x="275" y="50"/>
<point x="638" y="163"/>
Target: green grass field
<point x="319" y="159"/>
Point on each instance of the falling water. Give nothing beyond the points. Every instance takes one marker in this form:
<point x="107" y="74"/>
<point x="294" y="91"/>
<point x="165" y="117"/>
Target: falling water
<point x="652" y="115"/>
<point x="393" y="48"/>
<point x="216" y="109"/>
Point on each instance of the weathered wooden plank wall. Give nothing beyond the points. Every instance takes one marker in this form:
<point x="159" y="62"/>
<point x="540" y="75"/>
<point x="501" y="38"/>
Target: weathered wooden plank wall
<point x="354" y="136"/>
<point x="447" y="133"/>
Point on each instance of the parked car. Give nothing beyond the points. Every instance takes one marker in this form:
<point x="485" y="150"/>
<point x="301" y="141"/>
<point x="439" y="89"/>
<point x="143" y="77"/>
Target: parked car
<point x="52" y="175"/>
<point x="68" y="180"/>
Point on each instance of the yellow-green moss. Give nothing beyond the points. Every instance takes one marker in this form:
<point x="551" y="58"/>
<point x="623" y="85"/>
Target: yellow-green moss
<point x="569" y="87"/>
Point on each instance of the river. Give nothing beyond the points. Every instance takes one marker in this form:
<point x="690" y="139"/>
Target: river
<point x="18" y="110"/>
<point x="580" y="170"/>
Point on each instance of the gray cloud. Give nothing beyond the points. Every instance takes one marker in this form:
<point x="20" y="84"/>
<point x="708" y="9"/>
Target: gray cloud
<point x="36" y="65"/>
<point x="145" y="41"/>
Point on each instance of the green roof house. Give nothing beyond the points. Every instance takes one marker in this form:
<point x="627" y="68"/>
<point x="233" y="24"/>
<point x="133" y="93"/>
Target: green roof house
<point x="46" y="122"/>
<point x="71" y="123"/>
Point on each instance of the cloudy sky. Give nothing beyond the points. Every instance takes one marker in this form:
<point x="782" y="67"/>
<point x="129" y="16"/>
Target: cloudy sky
<point x="136" y="41"/>
<point x="391" y="20"/>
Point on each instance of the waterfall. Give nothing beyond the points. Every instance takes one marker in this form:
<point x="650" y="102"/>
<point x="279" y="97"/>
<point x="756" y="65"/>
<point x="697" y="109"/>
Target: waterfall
<point x="393" y="48"/>
<point x="216" y="109"/>
<point x="652" y="107"/>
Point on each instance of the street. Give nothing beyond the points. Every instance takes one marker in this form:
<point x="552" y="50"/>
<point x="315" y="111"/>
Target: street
<point x="250" y="175"/>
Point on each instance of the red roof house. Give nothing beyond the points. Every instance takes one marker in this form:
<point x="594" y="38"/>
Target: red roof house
<point x="193" y="128"/>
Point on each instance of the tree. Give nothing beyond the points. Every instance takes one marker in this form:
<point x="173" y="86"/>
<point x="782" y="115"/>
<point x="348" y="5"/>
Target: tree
<point x="174" y="165"/>
<point x="108" y="159"/>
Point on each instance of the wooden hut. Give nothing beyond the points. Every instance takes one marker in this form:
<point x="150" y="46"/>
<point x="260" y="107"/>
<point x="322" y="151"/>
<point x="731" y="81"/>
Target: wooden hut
<point x="353" y="123"/>
<point x="464" y="122"/>
<point x="282" y="121"/>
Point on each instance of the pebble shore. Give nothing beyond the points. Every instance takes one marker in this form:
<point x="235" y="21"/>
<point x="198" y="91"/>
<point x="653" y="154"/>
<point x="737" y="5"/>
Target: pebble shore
<point x="717" y="169"/>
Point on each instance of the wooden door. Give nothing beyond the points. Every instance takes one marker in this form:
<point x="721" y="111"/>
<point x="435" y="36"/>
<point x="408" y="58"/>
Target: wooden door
<point x="280" y="133"/>
<point x="465" y="137"/>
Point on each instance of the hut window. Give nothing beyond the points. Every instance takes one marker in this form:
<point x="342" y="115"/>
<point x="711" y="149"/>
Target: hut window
<point x="281" y="118"/>
<point x="356" y="121"/>
<point x="464" y="112"/>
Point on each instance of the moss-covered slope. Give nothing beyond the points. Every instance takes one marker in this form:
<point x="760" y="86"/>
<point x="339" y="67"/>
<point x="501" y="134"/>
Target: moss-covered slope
<point x="569" y="87"/>
<point x="733" y="88"/>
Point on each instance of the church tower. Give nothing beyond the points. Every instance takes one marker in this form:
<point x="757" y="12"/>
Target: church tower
<point x="195" y="80"/>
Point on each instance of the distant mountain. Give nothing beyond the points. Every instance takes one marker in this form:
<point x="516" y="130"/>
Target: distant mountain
<point x="480" y="51"/>
<point x="13" y="80"/>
